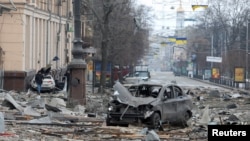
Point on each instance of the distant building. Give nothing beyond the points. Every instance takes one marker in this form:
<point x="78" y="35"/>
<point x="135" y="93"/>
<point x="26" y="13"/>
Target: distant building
<point x="179" y="50"/>
<point x="180" y="16"/>
<point x="180" y="21"/>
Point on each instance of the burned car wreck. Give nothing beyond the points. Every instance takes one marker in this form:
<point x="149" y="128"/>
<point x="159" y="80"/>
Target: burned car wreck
<point x="149" y="104"/>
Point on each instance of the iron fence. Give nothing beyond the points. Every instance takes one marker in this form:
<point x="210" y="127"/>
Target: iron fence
<point x="226" y="81"/>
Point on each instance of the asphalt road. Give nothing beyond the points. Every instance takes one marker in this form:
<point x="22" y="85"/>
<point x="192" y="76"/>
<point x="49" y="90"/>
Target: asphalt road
<point x="168" y="77"/>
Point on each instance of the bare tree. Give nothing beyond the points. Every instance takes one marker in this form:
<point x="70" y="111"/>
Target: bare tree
<point x="130" y="38"/>
<point x="224" y="23"/>
<point x="117" y="33"/>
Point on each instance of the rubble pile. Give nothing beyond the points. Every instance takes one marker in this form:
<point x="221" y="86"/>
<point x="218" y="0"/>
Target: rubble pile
<point x="23" y="117"/>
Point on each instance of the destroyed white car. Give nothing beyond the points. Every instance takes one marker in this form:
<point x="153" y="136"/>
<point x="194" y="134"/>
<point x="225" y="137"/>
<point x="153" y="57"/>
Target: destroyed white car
<point x="47" y="85"/>
<point x="150" y="104"/>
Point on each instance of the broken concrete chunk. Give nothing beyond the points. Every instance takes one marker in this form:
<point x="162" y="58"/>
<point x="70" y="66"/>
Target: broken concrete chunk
<point x="236" y="96"/>
<point x="2" y="95"/>
<point x="57" y="102"/>
<point x="52" y="108"/>
<point x="233" y="118"/>
<point x="2" y="125"/>
<point x="200" y="98"/>
<point x="14" y="103"/>
<point x="214" y="93"/>
<point x="244" y="92"/>
<point x="26" y="117"/>
<point x="223" y="113"/>
<point x="30" y="111"/>
<point x="7" y="104"/>
<point x="79" y="108"/>
<point x="205" y="118"/>
<point x="247" y="101"/>
<point x="151" y="135"/>
<point x="231" y="123"/>
<point x="213" y="123"/>
<point x="67" y="111"/>
<point x="91" y="114"/>
<point x="37" y="103"/>
<point x="9" y="116"/>
<point x="61" y="94"/>
<point x="41" y="120"/>
<point x="226" y="97"/>
<point x="231" y="106"/>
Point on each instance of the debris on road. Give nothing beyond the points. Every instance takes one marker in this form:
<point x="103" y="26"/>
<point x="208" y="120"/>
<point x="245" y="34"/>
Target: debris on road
<point x="25" y="118"/>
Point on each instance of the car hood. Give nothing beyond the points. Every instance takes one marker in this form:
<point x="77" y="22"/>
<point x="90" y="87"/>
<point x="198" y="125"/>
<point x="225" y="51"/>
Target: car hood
<point x="125" y="97"/>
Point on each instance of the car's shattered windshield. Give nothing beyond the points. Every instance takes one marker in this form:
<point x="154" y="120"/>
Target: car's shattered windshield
<point x="141" y="74"/>
<point x="125" y="96"/>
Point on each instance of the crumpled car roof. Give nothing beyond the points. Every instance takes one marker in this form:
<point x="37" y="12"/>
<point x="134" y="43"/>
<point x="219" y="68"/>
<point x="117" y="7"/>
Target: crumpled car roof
<point x="126" y="97"/>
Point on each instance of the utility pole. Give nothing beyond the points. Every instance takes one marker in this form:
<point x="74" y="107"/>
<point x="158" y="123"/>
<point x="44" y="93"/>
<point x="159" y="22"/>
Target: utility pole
<point x="212" y="48"/>
<point x="77" y="66"/>
<point x="247" y="54"/>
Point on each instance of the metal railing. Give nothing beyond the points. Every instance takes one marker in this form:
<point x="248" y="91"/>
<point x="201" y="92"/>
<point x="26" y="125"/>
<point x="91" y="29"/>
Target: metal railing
<point x="227" y="81"/>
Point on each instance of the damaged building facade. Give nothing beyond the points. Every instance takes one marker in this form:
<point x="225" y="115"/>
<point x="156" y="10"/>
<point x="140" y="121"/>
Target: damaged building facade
<point x="32" y="33"/>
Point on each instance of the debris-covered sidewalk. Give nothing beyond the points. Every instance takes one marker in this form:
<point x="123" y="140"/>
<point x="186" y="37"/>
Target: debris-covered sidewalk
<point x="27" y="118"/>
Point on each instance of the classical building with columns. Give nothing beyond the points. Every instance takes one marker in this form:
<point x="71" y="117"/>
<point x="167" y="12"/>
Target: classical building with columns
<point x="33" y="32"/>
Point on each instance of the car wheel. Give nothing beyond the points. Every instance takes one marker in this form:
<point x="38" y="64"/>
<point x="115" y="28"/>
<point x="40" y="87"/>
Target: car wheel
<point x="53" y="91"/>
<point x="155" y="121"/>
<point x="186" y="117"/>
<point x="108" y="122"/>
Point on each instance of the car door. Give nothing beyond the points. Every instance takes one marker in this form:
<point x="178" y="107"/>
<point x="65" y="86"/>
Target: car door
<point x="169" y="105"/>
<point x="181" y="102"/>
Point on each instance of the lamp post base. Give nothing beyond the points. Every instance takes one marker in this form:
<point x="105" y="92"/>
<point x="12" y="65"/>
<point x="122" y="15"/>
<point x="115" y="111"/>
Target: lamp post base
<point x="77" y="84"/>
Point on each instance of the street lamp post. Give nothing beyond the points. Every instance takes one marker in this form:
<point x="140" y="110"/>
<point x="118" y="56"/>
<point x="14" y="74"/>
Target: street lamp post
<point x="77" y="66"/>
<point x="247" y="55"/>
<point x="212" y="48"/>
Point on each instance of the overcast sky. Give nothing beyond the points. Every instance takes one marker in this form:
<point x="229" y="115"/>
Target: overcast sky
<point x="165" y="13"/>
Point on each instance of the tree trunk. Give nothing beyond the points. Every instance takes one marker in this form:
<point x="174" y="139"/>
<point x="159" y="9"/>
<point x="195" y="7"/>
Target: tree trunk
<point x="103" y="65"/>
<point x="105" y="46"/>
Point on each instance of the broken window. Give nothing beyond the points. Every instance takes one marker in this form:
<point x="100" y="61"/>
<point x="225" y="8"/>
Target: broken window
<point x="177" y="91"/>
<point x="167" y="93"/>
<point x="155" y="91"/>
<point x="145" y="90"/>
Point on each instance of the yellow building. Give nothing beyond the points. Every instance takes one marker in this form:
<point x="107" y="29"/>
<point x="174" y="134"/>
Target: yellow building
<point x="33" y="32"/>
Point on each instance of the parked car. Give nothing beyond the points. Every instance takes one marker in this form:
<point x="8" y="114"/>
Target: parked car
<point x="48" y="83"/>
<point x="150" y="104"/>
<point x="137" y="77"/>
<point x="177" y="73"/>
<point x="144" y="75"/>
